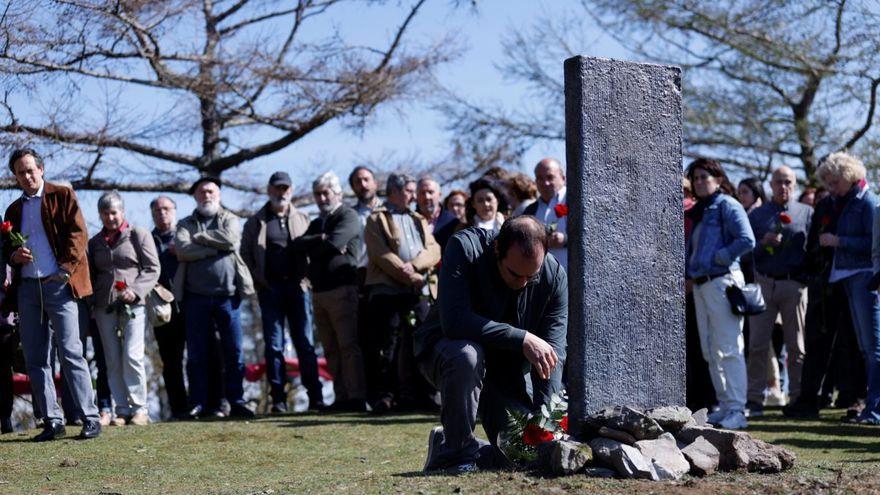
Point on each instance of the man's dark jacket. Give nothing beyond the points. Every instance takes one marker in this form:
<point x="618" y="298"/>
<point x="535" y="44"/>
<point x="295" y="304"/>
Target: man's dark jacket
<point x="473" y="304"/>
<point x="445" y="226"/>
<point x="333" y="260"/>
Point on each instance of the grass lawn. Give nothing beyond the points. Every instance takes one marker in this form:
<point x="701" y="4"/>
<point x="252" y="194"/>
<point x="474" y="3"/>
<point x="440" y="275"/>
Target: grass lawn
<point x="361" y="454"/>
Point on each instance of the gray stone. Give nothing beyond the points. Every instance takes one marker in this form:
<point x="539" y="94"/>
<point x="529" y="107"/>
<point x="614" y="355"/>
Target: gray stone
<point x="702" y="456"/>
<point x="599" y="472"/>
<point x="626" y="460"/>
<point x="670" y="418"/>
<point x="626" y="312"/>
<point x="701" y="417"/>
<point x="620" y="436"/>
<point x="739" y="451"/>
<point x="569" y="457"/>
<point x="669" y="463"/>
<point x="625" y="419"/>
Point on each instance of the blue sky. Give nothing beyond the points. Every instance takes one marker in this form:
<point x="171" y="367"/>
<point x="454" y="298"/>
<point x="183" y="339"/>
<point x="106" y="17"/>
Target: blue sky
<point x="410" y="128"/>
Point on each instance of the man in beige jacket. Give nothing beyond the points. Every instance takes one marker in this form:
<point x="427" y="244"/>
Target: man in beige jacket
<point x="402" y="254"/>
<point x="279" y="277"/>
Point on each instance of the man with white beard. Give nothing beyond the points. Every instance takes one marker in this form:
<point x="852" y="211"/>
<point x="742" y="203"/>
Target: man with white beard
<point x="210" y="283"/>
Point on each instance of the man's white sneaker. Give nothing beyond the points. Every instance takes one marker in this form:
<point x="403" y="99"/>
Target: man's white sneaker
<point x="715" y="417"/>
<point x="735" y="420"/>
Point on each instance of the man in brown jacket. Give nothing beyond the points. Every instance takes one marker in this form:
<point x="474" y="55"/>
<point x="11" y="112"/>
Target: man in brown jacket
<point x="278" y="273"/>
<point x="402" y="253"/>
<point x="50" y="272"/>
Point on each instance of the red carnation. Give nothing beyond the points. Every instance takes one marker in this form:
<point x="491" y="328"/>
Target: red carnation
<point x="535" y="435"/>
<point x="826" y="221"/>
<point x="6" y="227"/>
<point x="120" y="285"/>
<point x="564" y="423"/>
<point x="784" y="218"/>
<point x="561" y="210"/>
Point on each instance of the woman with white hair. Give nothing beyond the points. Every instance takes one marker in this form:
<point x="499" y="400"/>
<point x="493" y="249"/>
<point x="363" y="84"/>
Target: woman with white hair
<point x="844" y="176"/>
<point x="124" y="267"/>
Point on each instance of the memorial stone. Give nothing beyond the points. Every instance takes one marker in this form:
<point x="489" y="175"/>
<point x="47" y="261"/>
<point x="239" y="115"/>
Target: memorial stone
<point x="626" y="236"/>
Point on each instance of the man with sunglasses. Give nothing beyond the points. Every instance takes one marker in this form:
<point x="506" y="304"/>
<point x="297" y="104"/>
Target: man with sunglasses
<point x="502" y="313"/>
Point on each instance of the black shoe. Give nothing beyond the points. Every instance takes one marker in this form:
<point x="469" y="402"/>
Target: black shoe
<point x="317" y="406"/>
<point x="51" y="431"/>
<point x="6" y="426"/>
<point x="345" y="406"/>
<point x="240" y="411"/>
<point x="382" y="406"/>
<point x="754" y="409"/>
<point x="91" y="429"/>
<point x="435" y="439"/>
<point x="278" y="408"/>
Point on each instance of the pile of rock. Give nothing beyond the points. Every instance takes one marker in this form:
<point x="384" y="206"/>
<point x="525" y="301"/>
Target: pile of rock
<point x="664" y="443"/>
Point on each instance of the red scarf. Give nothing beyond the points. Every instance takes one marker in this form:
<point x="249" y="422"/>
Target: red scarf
<point x="111" y="238"/>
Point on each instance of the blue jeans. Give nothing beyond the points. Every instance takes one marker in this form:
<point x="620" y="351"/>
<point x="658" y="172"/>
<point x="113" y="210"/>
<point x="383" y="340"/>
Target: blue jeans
<point x="59" y="307"/>
<point x="280" y="301"/>
<point x="204" y="315"/>
<point x="865" y="309"/>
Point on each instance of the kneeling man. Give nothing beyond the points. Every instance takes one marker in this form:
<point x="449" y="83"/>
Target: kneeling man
<point x="502" y="313"/>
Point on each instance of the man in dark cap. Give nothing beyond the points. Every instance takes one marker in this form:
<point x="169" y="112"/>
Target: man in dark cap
<point x="279" y="278"/>
<point x="210" y="282"/>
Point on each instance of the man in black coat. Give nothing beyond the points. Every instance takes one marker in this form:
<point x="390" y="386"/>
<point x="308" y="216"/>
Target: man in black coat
<point x="502" y="313"/>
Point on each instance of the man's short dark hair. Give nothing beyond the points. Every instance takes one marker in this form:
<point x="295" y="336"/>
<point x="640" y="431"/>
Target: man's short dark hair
<point x="525" y="232"/>
<point x="20" y="153"/>
<point x="355" y="171"/>
<point x="397" y="181"/>
<point x="155" y="201"/>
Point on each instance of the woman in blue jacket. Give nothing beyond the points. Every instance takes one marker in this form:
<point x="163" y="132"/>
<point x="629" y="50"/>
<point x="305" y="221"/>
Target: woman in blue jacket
<point x="720" y="236"/>
<point x="844" y="176"/>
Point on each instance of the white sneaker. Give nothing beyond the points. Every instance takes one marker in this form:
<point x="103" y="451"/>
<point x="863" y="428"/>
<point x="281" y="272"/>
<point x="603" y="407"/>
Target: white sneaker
<point x="775" y="398"/>
<point x="715" y="417"/>
<point x="735" y="420"/>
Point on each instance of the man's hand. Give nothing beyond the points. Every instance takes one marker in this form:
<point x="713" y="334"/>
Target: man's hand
<point x="408" y="269"/>
<point x="540" y="354"/>
<point x="128" y="296"/>
<point x="417" y="281"/>
<point x="21" y="256"/>
<point x="771" y="239"/>
<point x="556" y="240"/>
<point x="829" y="240"/>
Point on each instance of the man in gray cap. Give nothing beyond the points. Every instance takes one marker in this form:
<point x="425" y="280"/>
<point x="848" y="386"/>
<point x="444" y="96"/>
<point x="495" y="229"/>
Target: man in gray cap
<point x="279" y="278"/>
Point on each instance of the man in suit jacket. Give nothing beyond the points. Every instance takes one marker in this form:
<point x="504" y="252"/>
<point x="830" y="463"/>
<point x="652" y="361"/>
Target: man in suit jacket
<point x="50" y="272"/>
<point x="550" y="179"/>
<point x="440" y="220"/>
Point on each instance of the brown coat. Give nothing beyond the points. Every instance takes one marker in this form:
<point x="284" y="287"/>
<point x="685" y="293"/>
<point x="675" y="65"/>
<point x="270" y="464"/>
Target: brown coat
<point x="66" y="231"/>
<point x="383" y="242"/>
<point x="133" y="260"/>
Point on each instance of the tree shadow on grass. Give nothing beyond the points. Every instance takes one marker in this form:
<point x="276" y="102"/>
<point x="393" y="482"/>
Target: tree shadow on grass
<point x="833" y="444"/>
<point x="296" y="422"/>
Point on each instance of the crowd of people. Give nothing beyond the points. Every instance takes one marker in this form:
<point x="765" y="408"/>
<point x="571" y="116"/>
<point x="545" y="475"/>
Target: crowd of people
<point x="815" y="257"/>
<point x="396" y="330"/>
<point x="365" y="276"/>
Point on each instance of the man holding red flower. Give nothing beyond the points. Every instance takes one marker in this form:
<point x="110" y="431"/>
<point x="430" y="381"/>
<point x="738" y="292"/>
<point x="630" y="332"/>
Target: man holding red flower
<point x="780" y="227"/>
<point x="550" y="208"/>
<point x="50" y="272"/>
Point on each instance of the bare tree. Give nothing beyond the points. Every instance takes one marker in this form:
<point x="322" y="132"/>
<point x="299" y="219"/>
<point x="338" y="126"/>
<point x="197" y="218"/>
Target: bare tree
<point x="765" y="83"/>
<point x="226" y="81"/>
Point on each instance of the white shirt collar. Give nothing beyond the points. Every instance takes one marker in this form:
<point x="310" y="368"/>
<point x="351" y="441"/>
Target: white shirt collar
<point x="38" y="194"/>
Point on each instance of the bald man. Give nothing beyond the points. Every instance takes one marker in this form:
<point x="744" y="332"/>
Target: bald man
<point x="780" y="227"/>
<point x="550" y="179"/>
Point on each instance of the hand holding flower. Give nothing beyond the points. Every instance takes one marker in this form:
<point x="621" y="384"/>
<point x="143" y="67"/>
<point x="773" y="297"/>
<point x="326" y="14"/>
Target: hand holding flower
<point x="829" y="240"/>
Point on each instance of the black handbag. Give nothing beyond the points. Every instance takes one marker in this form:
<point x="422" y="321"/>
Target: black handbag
<point x="746" y="301"/>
